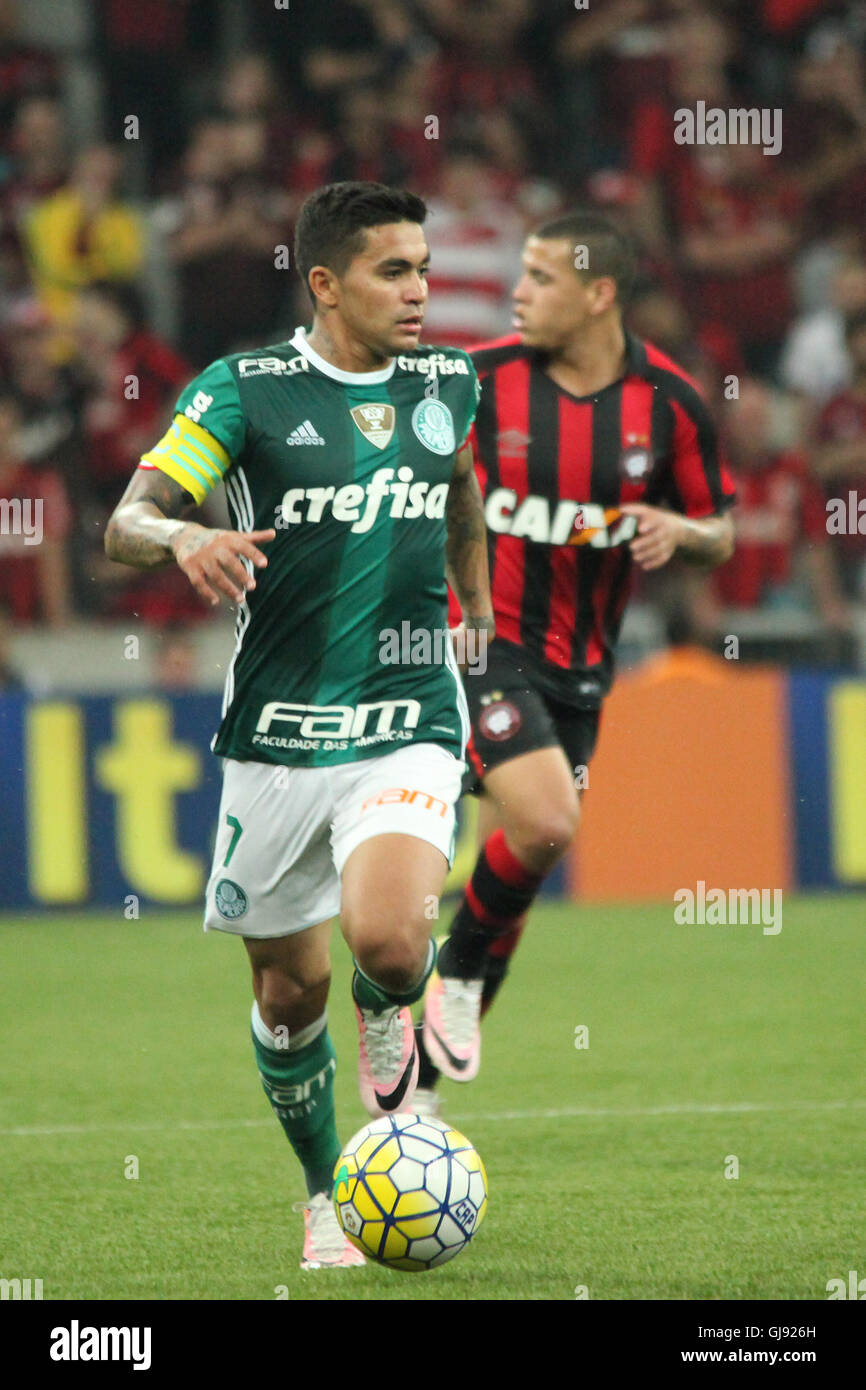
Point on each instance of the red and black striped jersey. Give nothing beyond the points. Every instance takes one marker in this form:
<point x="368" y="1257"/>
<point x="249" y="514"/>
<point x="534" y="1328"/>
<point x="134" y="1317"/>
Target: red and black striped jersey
<point x="554" y="469"/>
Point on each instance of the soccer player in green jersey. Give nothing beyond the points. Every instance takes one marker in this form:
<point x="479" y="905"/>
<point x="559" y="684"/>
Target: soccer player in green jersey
<point x="352" y="490"/>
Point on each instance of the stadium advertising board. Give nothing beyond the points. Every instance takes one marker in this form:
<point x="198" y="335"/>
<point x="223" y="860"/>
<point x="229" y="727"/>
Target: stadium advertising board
<point x="106" y="797"/>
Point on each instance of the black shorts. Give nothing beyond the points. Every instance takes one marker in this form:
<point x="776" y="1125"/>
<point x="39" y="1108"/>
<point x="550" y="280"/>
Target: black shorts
<point x="511" y="716"/>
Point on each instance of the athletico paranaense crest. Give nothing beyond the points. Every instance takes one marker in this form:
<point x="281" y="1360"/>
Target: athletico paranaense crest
<point x="376" y="423"/>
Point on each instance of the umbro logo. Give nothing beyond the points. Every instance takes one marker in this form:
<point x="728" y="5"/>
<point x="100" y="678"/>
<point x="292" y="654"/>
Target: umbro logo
<point x="513" y="443"/>
<point x="305" y="434"/>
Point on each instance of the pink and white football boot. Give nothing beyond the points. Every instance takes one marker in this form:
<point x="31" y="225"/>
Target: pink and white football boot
<point x="387" y="1060"/>
<point x="452" y="1032"/>
<point x="325" y="1244"/>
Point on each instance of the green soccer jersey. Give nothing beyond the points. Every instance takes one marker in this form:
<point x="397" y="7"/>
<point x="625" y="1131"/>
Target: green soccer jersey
<point x="340" y="650"/>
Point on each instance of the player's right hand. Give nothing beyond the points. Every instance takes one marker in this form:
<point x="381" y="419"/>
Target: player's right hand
<point x="212" y="560"/>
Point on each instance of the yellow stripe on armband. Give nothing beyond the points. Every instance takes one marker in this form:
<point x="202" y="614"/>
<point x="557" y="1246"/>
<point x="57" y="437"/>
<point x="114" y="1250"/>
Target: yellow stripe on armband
<point x="190" y="455"/>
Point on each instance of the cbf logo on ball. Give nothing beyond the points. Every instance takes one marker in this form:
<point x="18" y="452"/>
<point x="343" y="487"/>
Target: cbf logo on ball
<point x="434" y="426"/>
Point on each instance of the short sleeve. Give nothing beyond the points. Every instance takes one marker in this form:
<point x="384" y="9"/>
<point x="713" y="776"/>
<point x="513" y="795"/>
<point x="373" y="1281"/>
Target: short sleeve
<point x="702" y="484"/>
<point x="211" y="400"/>
<point x="206" y="436"/>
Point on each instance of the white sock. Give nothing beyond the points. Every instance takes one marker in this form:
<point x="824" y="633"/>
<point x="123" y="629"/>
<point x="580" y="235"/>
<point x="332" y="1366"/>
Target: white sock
<point x="277" y="1041"/>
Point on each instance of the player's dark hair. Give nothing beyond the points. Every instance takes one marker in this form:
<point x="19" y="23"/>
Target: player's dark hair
<point x="333" y="222"/>
<point x="609" y="252"/>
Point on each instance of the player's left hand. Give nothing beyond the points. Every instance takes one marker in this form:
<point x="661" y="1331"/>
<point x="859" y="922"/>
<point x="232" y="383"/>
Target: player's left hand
<point x="659" y="533"/>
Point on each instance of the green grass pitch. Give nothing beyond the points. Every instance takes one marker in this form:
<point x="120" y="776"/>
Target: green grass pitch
<point x="606" y="1163"/>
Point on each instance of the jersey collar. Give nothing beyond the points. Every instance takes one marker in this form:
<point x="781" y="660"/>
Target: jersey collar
<point x="299" y="342"/>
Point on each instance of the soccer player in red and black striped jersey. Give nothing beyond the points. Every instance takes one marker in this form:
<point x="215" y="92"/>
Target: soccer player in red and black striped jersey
<point x="595" y="452"/>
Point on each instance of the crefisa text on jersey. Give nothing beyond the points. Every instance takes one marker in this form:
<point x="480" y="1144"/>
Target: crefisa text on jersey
<point x="407" y="500"/>
<point x="435" y="364"/>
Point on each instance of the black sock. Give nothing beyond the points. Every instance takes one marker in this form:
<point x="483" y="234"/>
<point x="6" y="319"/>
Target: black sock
<point x="428" y="1072"/>
<point x="496" y="964"/>
<point x="497" y="897"/>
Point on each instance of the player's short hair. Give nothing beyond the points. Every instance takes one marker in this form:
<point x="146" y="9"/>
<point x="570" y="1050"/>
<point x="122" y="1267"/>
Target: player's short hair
<point x="333" y="222"/>
<point x="609" y="251"/>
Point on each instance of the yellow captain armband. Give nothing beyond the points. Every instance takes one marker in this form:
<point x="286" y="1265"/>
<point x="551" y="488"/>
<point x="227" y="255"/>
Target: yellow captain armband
<point x="190" y="455"/>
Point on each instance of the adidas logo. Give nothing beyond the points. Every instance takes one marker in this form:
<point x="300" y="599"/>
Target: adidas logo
<point x="305" y="434"/>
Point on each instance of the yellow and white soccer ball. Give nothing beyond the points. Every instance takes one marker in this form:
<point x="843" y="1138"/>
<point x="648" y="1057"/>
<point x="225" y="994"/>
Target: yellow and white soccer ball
<point x="410" y="1191"/>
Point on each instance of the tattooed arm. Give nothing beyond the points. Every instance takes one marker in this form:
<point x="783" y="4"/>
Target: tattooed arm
<point x="146" y="529"/>
<point x="466" y="545"/>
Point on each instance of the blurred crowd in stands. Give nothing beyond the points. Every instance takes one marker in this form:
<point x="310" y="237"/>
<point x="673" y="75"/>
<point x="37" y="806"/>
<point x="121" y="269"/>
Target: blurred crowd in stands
<point x="130" y="262"/>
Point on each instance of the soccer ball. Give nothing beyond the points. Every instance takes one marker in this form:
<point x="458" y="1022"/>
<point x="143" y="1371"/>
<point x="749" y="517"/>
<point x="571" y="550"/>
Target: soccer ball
<point x="410" y="1191"/>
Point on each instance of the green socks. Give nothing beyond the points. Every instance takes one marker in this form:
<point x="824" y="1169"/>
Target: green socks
<point x="298" y="1076"/>
<point x="368" y="995"/>
<point x="297" y="1072"/>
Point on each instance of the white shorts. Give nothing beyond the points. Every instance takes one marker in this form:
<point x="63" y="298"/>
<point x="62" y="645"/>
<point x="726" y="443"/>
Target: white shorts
<point x="285" y="833"/>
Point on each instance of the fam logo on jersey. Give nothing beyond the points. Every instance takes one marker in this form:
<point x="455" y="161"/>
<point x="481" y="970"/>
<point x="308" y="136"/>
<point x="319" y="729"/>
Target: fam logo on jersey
<point x="636" y="461"/>
<point x="376" y="422"/>
<point x="499" y="718"/>
<point x="569" y="523"/>
<point x="336" y="727"/>
<point x="231" y="900"/>
<point x="434" y="426"/>
<point x="276" y="366"/>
